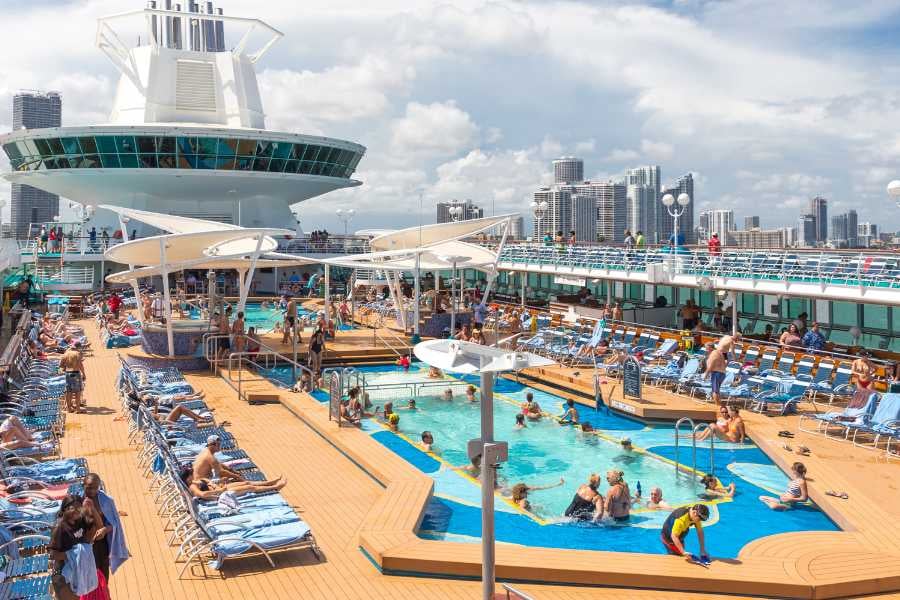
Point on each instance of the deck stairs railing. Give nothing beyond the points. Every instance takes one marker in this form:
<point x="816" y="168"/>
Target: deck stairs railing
<point x="694" y="431"/>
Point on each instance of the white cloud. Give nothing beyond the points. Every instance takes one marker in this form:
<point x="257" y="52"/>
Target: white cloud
<point x="619" y="155"/>
<point x="585" y="146"/>
<point x="657" y="150"/>
<point x="551" y="148"/>
<point x="792" y="182"/>
<point x="437" y="130"/>
<point x="493" y="135"/>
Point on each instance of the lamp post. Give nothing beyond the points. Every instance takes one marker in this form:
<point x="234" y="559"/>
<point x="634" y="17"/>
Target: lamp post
<point x="456" y="212"/>
<point x="2" y="206"/>
<point x="538" y="209"/>
<point x="234" y="199"/>
<point x="471" y="359"/>
<point x="893" y="190"/>
<point x="345" y="216"/>
<point x="675" y="212"/>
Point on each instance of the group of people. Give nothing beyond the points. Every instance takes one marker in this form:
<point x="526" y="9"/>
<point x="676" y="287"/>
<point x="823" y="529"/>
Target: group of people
<point x="797" y="335"/>
<point x="52" y="240"/>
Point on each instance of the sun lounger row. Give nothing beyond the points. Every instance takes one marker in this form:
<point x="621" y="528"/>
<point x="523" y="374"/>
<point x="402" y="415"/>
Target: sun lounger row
<point x="206" y="532"/>
<point x="870" y="420"/>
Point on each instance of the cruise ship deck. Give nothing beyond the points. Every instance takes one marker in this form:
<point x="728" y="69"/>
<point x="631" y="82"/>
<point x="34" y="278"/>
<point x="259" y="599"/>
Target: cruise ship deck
<point x="364" y="503"/>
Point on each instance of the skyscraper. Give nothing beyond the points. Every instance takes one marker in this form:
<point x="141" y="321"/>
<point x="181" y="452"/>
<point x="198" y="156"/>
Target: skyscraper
<point x="584" y="217"/>
<point x="469" y="211"/>
<point x="568" y="169"/>
<point x="866" y="234"/>
<point x="665" y="224"/>
<point x="642" y="193"/>
<point x="517" y="231"/>
<point x="806" y="231"/>
<point x="34" y="110"/>
<point x="844" y="230"/>
<point x="751" y="222"/>
<point x="818" y="208"/>
<point x="719" y="221"/>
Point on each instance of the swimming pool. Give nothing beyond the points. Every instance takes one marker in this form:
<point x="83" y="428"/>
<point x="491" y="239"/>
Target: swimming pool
<point x="264" y="319"/>
<point x="545" y="451"/>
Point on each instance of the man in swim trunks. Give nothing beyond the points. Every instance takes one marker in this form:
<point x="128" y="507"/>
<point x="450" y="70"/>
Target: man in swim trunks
<point x="207" y="466"/>
<point x="678" y="524"/>
<point x="715" y="368"/>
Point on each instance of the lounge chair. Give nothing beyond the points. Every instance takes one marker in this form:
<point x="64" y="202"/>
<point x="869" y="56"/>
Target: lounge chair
<point x="884" y="423"/>
<point x="856" y="412"/>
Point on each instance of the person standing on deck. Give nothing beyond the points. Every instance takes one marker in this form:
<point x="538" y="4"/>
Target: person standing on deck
<point x="72" y="366"/>
<point x="110" y="549"/>
<point x="715" y="368"/>
<point x="237" y="332"/>
<point x="814" y="341"/>
<point x="290" y="320"/>
<point x="316" y="348"/>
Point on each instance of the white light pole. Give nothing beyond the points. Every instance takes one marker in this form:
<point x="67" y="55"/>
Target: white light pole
<point x="345" y="216"/>
<point x="470" y="359"/>
<point x="893" y="190"/>
<point x="538" y="209"/>
<point x="456" y="212"/>
<point x="2" y="206"/>
<point x="237" y="201"/>
<point x="669" y="202"/>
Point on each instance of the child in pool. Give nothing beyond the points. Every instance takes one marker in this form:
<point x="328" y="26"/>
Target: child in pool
<point x="714" y="487"/>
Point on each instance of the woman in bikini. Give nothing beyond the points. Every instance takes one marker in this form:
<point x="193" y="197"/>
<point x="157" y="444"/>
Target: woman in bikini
<point x="796" y="490"/>
<point x="205" y="489"/>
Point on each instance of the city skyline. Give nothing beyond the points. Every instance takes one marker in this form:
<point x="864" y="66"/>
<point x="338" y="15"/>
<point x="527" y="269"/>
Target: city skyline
<point x="762" y="145"/>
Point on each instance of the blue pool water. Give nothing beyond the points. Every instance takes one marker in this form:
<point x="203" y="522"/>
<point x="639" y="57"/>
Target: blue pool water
<point x="546" y="451"/>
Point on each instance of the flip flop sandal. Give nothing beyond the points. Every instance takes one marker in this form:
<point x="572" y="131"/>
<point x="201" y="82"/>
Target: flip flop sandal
<point x="785" y="434"/>
<point x="803" y="451"/>
<point x="841" y="495"/>
<point x="786" y="447"/>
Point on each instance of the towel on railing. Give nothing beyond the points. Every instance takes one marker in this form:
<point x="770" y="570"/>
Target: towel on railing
<point x="80" y="570"/>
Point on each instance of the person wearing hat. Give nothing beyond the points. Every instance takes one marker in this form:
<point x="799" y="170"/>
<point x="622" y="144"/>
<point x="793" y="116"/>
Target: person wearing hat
<point x="679" y="523"/>
<point x="72" y="366"/>
<point x="207" y="466"/>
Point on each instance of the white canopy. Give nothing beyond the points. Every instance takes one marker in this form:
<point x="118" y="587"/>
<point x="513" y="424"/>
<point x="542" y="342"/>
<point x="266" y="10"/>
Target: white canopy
<point x="426" y="235"/>
<point x="469" y="358"/>
<point x="170" y="223"/>
<point x="229" y="262"/>
<point x="181" y="247"/>
<point x="436" y="257"/>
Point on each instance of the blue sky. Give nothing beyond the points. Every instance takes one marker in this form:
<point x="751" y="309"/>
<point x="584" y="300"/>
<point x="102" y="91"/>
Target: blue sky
<point x="767" y="102"/>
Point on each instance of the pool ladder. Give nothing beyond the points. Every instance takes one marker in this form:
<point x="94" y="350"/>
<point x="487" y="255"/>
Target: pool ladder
<point x="694" y="430"/>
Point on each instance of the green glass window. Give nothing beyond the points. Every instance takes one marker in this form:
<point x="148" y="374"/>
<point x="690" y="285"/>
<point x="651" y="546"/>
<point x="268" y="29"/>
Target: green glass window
<point x="207" y="146"/>
<point x="750" y="304"/>
<point x="895" y="319"/>
<point x="291" y="166"/>
<point x="70" y="145"/>
<point x="55" y="146"/>
<point x="261" y="164"/>
<point x="25" y="149"/>
<point x="276" y="166"/>
<point x="146" y="145"/>
<point x="127" y="145"/>
<point x="88" y="145"/>
<point x="344" y="158"/>
<point x="844" y="313"/>
<point x="875" y="317"/>
<point x="166" y="161"/>
<point x="225" y="163"/>
<point x="165" y="145"/>
<point x="129" y="161"/>
<point x="281" y="149"/>
<point x="90" y="161"/>
<point x="106" y="144"/>
<point x="667" y="291"/>
<point x="305" y="167"/>
<point x="793" y="307"/>
<point x="317" y="169"/>
<point x="148" y="161"/>
<point x="206" y="162"/>
<point x="247" y="147"/>
<point x="43" y="148"/>
<point x="12" y="151"/>
<point x="311" y="152"/>
<point x="264" y="149"/>
<point x="110" y="161"/>
<point x="243" y="164"/>
<point x="297" y="151"/>
<point x="186" y="161"/>
<point x="187" y="145"/>
<point x="227" y="147"/>
<point x="635" y="291"/>
<point x="62" y="162"/>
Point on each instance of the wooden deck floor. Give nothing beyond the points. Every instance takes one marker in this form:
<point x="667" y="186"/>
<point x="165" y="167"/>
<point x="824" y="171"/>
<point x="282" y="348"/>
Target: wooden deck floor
<point x="335" y="496"/>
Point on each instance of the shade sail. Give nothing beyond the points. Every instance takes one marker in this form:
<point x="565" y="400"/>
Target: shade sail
<point x="426" y="235"/>
<point x="215" y="263"/>
<point x="469" y="358"/>
<point x="182" y="247"/>
<point x="435" y="257"/>
<point x="170" y="223"/>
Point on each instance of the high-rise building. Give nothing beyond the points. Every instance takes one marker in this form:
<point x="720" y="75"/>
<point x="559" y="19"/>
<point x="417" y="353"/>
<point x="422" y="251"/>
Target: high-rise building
<point x="642" y="193"/>
<point x="517" y="230"/>
<point x="34" y="110"/>
<point x="719" y="221"/>
<point x="611" y="202"/>
<point x="568" y="169"/>
<point x="760" y="238"/>
<point x="665" y="223"/>
<point x="584" y="217"/>
<point x="806" y="231"/>
<point x="818" y="208"/>
<point x="790" y="236"/>
<point x="866" y="234"/>
<point x="751" y="222"/>
<point x="469" y="211"/>
<point x="844" y="230"/>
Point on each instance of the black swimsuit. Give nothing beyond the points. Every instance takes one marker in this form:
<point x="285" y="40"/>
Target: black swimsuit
<point x="580" y="509"/>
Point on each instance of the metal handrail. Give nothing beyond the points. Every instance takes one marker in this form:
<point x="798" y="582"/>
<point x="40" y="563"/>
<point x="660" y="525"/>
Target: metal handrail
<point x="376" y="337"/>
<point x="511" y="590"/>
<point x="678" y="423"/>
<point x="712" y="444"/>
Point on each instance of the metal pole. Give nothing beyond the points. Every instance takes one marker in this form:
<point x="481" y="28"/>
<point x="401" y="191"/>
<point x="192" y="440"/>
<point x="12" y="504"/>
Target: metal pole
<point x="166" y="298"/>
<point x="417" y="294"/>
<point x="523" y="276"/>
<point x="487" y="487"/>
<point x="327" y="293"/>
<point x="453" y="300"/>
<point x="352" y="293"/>
<point x="734" y="313"/>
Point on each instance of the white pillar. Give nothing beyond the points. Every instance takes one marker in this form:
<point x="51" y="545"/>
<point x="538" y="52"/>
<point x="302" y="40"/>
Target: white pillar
<point x="734" y="313"/>
<point x="453" y="300"/>
<point x="417" y="294"/>
<point x="134" y="282"/>
<point x="523" y="277"/>
<point x="248" y="275"/>
<point x="166" y="296"/>
<point x="241" y="279"/>
<point x="487" y="487"/>
<point x="327" y="293"/>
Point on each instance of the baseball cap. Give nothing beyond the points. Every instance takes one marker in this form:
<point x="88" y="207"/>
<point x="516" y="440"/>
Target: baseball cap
<point x="213" y="439"/>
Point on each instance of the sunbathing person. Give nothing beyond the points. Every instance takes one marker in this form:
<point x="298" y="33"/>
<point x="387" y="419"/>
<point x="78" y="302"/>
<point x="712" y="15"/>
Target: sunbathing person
<point x="350" y="414"/>
<point x="796" y="490"/>
<point x="714" y="487"/>
<point x="732" y="431"/>
<point x="206" y="465"/>
<point x="206" y="489"/>
<point x="14" y="435"/>
<point x="173" y="415"/>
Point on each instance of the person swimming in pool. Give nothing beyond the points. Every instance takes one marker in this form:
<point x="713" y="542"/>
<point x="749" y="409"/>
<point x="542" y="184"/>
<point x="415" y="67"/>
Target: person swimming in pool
<point x="628" y="455"/>
<point x="520" y="491"/>
<point x="587" y="504"/>
<point x="394" y="422"/>
<point x="713" y="487"/>
<point x="435" y="373"/>
<point x="520" y="422"/>
<point x="470" y="394"/>
<point x="796" y="490"/>
<point x="570" y="415"/>
<point x="530" y="408"/>
<point x="427" y="441"/>
<point x="655" y="502"/>
<point x="618" y="496"/>
<point x="448" y="395"/>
